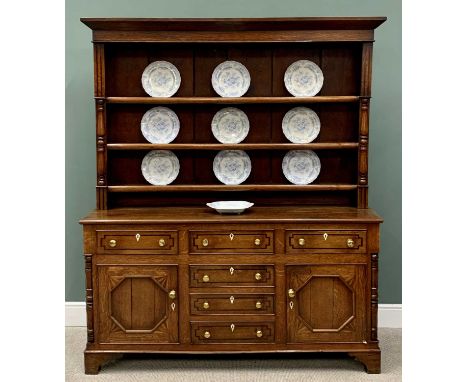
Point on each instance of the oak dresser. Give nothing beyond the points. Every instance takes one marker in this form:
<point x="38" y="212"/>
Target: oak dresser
<point x="298" y="271"/>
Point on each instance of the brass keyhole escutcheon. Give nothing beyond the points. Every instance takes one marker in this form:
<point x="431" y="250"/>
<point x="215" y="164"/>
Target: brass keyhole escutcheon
<point x="233" y="327"/>
<point x="172" y="294"/>
<point x="205" y="242"/>
<point x="231" y="236"/>
<point x="350" y="243"/>
<point x="137" y="237"/>
<point x="206" y="305"/>
<point x="301" y="241"/>
<point x="258" y="305"/>
<point x="162" y="242"/>
<point x="291" y="293"/>
<point x="325" y="236"/>
<point x="231" y="271"/>
<point x="259" y="333"/>
<point x="257" y="241"/>
<point x="112" y="243"/>
<point x="232" y="299"/>
<point x="207" y="334"/>
<point x="258" y="276"/>
<point x="173" y="306"/>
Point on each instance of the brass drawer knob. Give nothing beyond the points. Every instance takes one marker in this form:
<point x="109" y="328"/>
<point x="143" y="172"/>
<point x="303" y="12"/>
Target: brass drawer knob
<point x="301" y="241"/>
<point x="162" y="242"/>
<point x="258" y="305"/>
<point x="350" y="243"/>
<point x="112" y="243"/>
<point x="291" y="293"/>
<point x="258" y="276"/>
<point x="206" y="278"/>
<point x="205" y="242"/>
<point x="207" y="334"/>
<point x="257" y="241"/>
<point x="206" y="305"/>
<point x="259" y="334"/>
<point x="172" y="294"/>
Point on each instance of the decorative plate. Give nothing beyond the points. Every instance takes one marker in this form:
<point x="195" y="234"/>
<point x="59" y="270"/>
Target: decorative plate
<point x="301" y="125"/>
<point x="230" y="206"/>
<point x="232" y="166"/>
<point x="230" y="125"/>
<point x="160" y="125"/>
<point x="160" y="79"/>
<point x="230" y="79"/>
<point x="160" y="167"/>
<point x="303" y="78"/>
<point x="301" y="166"/>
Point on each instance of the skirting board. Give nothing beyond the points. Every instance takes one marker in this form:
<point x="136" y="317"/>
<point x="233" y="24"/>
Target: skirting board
<point x="389" y="315"/>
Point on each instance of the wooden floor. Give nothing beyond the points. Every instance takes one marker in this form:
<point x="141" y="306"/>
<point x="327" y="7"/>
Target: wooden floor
<point x="224" y="368"/>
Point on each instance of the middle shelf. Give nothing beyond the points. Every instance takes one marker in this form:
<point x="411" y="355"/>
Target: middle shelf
<point x="237" y="146"/>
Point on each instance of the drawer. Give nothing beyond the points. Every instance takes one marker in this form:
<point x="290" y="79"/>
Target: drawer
<point x="325" y="241"/>
<point x="231" y="275"/>
<point x="232" y="332"/>
<point x="137" y="242"/>
<point x="233" y="303"/>
<point x="260" y="241"/>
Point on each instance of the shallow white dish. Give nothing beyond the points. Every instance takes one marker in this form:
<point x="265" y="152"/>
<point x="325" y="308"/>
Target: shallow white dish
<point x="303" y="78"/>
<point x="230" y="79"/>
<point x="232" y="166"/>
<point x="230" y="125"/>
<point x="160" y="79"/>
<point x="230" y="206"/>
<point x="301" y="125"/>
<point x="160" y="167"/>
<point x="160" y="125"/>
<point x="301" y="166"/>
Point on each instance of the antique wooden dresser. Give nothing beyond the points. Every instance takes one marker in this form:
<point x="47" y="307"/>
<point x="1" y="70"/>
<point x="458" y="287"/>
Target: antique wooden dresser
<point x="297" y="272"/>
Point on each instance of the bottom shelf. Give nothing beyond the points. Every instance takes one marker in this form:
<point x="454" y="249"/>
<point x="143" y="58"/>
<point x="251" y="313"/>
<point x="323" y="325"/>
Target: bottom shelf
<point x="239" y="187"/>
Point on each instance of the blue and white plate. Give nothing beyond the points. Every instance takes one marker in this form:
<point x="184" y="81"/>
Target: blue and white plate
<point x="160" y="79"/>
<point x="301" y="125"/>
<point x="230" y="125"/>
<point x="303" y="78"/>
<point x="160" y="125"/>
<point x="301" y="166"/>
<point x="230" y="79"/>
<point x="160" y="167"/>
<point x="232" y="166"/>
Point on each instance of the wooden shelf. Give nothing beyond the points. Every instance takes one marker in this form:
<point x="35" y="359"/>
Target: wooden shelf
<point x="240" y="187"/>
<point x="233" y="100"/>
<point x="239" y="146"/>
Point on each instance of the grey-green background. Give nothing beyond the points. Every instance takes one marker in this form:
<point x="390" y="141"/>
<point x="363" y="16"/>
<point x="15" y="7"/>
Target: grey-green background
<point x="385" y="131"/>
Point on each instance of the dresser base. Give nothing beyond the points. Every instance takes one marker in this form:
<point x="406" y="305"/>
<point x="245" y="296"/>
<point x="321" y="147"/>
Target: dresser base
<point x="93" y="361"/>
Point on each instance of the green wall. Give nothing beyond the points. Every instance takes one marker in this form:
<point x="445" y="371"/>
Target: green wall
<point x="385" y="133"/>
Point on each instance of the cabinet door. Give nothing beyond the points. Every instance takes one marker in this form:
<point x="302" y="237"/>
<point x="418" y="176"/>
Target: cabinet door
<point x="137" y="303"/>
<point x="326" y="303"/>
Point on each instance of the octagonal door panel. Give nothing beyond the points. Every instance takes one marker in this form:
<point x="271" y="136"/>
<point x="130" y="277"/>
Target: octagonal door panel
<point x="328" y="303"/>
<point x="134" y="304"/>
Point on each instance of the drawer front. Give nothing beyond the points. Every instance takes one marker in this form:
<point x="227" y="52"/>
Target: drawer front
<point x="202" y="242"/>
<point x="203" y="276"/>
<point x="326" y="241"/>
<point x="137" y="242"/>
<point x="235" y="303"/>
<point x="232" y="332"/>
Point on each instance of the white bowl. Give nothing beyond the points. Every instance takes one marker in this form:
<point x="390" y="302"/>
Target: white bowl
<point x="230" y="206"/>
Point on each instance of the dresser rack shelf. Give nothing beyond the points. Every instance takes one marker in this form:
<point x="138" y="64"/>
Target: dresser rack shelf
<point x="239" y="187"/>
<point x="238" y="146"/>
<point x="231" y="100"/>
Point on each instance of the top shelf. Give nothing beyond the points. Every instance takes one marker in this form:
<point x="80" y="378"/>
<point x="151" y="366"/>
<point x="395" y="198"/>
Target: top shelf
<point x="230" y="100"/>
